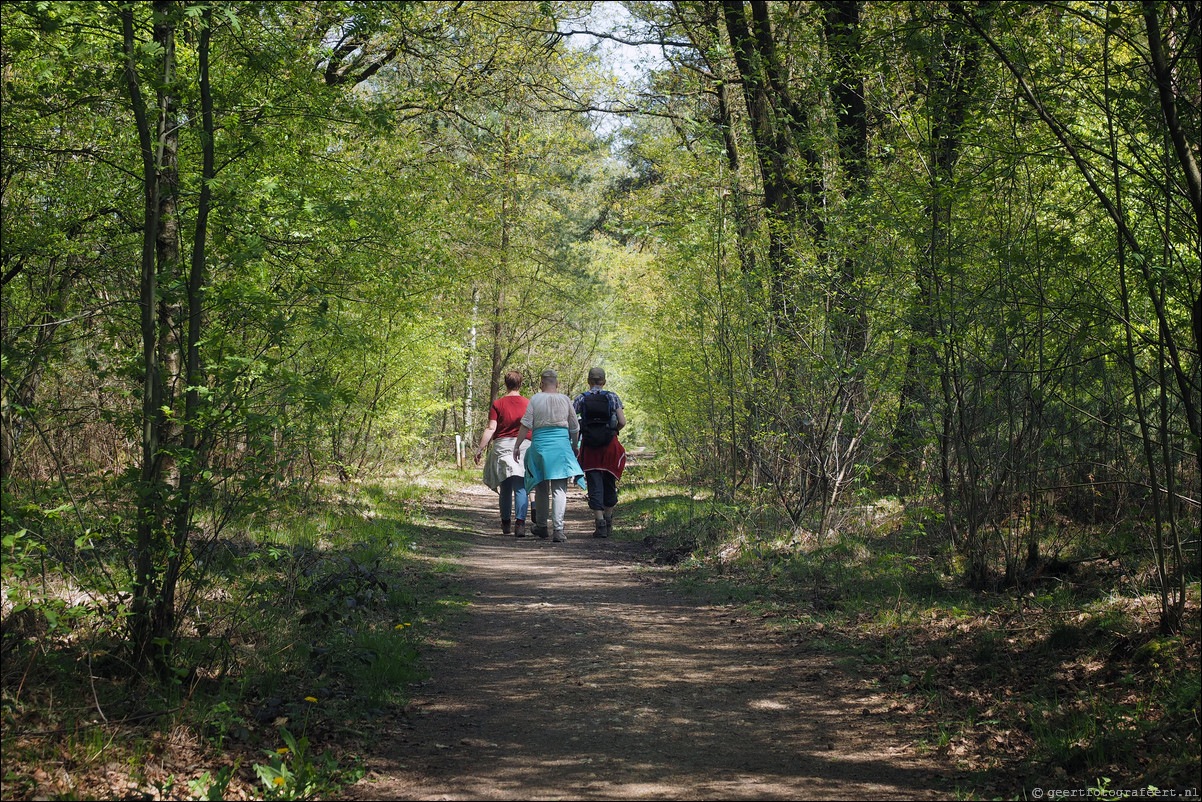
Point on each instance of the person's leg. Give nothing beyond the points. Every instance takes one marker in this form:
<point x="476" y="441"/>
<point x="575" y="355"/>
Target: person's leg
<point x="596" y="490"/>
<point x="610" y="500"/>
<point x="558" y="490"/>
<point x="542" y="500"/>
<point x="596" y="499"/>
<point x="519" y="497"/>
<point x="520" y="502"/>
<point x="506" y="503"/>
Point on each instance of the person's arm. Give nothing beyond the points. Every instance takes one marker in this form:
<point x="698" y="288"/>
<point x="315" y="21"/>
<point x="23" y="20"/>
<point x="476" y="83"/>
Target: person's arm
<point x="517" y="445"/>
<point x="573" y="424"/>
<point x="526" y="424"/>
<point x="486" y="438"/>
<point x="577" y="411"/>
<point x="619" y="415"/>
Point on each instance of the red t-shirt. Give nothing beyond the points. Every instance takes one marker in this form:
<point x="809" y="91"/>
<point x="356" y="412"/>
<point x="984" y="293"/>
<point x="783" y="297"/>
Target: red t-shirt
<point x="507" y="411"/>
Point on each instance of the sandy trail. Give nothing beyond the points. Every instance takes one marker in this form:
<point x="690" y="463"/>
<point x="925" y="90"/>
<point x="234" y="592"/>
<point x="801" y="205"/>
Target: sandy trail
<point x="577" y="675"/>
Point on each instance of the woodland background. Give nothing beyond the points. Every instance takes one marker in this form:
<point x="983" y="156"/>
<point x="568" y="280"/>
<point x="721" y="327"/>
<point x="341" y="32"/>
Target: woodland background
<point x="920" y="270"/>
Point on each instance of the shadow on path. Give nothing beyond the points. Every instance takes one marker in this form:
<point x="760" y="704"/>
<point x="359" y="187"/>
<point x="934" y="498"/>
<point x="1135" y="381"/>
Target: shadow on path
<point x="576" y="676"/>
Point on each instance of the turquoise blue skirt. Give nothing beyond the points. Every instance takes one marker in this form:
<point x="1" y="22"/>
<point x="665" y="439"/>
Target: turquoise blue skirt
<point x="550" y="456"/>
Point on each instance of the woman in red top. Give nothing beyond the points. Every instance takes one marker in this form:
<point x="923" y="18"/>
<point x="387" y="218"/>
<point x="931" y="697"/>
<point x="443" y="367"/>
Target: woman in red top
<point x="502" y="472"/>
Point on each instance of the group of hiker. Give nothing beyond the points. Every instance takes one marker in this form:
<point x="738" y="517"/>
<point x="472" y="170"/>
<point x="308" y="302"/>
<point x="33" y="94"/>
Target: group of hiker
<point x="540" y="444"/>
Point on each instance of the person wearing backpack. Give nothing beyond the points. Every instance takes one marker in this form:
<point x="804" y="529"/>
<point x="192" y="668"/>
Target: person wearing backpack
<point x="601" y="455"/>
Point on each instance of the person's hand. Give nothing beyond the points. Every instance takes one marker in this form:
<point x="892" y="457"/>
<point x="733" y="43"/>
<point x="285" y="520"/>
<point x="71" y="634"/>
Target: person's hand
<point x="517" y="455"/>
<point x="479" y="453"/>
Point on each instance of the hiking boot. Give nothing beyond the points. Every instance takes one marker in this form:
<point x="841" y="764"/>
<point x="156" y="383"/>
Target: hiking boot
<point x="559" y="537"/>
<point x="609" y="525"/>
<point x="519" y="530"/>
<point x="541" y="531"/>
<point x="602" y="529"/>
<point x="504" y="527"/>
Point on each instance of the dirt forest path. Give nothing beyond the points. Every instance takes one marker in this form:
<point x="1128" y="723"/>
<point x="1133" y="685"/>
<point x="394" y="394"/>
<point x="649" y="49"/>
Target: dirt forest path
<point x="577" y="675"/>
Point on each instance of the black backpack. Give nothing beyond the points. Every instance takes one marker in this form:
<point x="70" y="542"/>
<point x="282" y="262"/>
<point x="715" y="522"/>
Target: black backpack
<point x="595" y="431"/>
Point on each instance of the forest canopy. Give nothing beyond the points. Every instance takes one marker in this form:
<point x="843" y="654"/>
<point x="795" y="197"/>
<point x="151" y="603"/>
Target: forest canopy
<point x="943" y="252"/>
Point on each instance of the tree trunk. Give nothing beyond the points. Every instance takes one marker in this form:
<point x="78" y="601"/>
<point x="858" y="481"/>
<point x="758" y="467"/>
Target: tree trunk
<point x="150" y="501"/>
<point x="742" y="396"/>
<point x="848" y="318"/>
<point x="951" y="77"/>
<point x="193" y="460"/>
<point x="498" y="318"/>
<point x="469" y="399"/>
<point x="769" y="117"/>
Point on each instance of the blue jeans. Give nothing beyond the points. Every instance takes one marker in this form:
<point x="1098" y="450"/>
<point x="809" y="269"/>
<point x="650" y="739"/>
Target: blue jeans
<point x="513" y="490"/>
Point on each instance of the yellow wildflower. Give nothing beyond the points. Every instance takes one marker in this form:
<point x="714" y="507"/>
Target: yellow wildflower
<point x="311" y="699"/>
<point x="278" y="781"/>
<point x="283" y="750"/>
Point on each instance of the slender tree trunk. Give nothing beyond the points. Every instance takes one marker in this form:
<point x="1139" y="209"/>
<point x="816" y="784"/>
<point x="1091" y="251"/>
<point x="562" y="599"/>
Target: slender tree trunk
<point x="469" y="398"/>
<point x="1168" y="622"/>
<point x="841" y="26"/>
<point x="742" y="395"/>
<point x="167" y="249"/>
<point x="951" y="76"/>
<point x="149" y="491"/>
<point x="1162" y="75"/>
<point x="773" y="143"/>
<point x="498" y="334"/>
<point x="498" y="317"/>
<point x="193" y="460"/>
<point x="167" y="241"/>
<point x="508" y="208"/>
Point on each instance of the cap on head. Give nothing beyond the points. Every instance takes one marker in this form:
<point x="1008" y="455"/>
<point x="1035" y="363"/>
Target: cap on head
<point x="596" y="376"/>
<point x="549" y="376"/>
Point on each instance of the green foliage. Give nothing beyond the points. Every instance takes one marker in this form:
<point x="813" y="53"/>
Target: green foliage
<point x="293" y="772"/>
<point x="212" y="788"/>
<point x="942" y="324"/>
<point x="352" y="213"/>
<point x="983" y="313"/>
<point x="1062" y="675"/>
<point x="250" y="665"/>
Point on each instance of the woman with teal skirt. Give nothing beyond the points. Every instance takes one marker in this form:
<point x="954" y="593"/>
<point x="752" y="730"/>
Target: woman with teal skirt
<point x="551" y="458"/>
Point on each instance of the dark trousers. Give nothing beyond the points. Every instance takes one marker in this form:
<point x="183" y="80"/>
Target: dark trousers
<point x="602" y="489"/>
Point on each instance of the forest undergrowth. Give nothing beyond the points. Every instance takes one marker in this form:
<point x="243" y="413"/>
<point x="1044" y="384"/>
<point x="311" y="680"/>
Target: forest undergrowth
<point x="309" y="625"/>
<point x="1058" y="682"/>
<point x="303" y="635"/>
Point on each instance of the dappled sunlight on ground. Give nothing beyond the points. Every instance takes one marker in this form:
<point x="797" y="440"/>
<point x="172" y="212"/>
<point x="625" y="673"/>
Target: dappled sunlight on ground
<point x="577" y="675"/>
